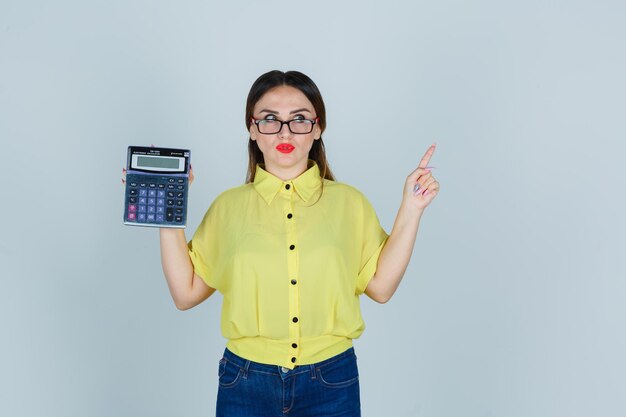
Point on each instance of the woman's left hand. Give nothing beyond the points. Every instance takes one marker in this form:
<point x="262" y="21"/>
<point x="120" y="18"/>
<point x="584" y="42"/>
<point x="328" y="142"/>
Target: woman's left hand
<point x="421" y="187"/>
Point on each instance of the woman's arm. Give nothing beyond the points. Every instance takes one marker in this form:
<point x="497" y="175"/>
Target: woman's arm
<point x="419" y="190"/>
<point x="187" y="289"/>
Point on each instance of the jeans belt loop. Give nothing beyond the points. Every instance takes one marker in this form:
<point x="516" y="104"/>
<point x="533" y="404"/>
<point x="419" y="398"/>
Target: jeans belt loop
<point x="245" y="369"/>
<point x="312" y="371"/>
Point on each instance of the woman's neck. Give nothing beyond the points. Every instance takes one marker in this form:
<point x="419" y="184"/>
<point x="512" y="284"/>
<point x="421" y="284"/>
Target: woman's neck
<point x="286" y="173"/>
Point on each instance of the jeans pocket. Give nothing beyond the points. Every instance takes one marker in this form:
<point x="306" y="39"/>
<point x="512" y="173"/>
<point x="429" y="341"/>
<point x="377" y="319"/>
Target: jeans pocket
<point x="228" y="373"/>
<point x="339" y="374"/>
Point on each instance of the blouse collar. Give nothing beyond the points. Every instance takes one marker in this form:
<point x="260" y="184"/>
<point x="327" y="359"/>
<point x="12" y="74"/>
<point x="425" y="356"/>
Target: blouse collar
<point x="305" y="185"/>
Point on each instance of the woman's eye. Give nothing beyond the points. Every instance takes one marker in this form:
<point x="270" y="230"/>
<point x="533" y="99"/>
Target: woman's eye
<point x="298" y="117"/>
<point x="270" y="117"/>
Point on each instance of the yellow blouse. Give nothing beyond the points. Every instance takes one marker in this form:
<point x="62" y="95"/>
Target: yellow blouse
<point x="290" y="264"/>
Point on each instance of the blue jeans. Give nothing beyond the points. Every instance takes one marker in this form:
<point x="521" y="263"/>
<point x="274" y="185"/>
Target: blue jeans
<point x="251" y="389"/>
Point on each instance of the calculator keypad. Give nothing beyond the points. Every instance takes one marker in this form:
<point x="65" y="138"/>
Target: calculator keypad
<point x="156" y="200"/>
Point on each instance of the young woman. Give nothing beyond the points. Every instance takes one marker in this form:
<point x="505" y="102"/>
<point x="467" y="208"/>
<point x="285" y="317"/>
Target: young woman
<point x="291" y="251"/>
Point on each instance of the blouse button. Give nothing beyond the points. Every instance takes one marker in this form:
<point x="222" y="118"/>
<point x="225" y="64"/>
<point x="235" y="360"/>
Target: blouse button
<point x="287" y="186"/>
<point x="289" y="216"/>
<point x="294" y="345"/>
<point x="294" y="282"/>
<point x="295" y="319"/>
<point x="292" y="247"/>
<point x="293" y="360"/>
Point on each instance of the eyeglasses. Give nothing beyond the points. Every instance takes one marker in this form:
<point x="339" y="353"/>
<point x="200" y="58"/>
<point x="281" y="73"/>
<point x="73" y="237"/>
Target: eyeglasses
<point x="273" y="126"/>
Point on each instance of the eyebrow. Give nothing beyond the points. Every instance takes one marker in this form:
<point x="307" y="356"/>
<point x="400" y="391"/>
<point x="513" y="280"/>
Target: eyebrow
<point x="291" y="112"/>
<point x="300" y="111"/>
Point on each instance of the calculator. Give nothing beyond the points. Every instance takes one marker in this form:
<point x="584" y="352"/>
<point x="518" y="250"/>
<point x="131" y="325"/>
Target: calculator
<point x="157" y="185"/>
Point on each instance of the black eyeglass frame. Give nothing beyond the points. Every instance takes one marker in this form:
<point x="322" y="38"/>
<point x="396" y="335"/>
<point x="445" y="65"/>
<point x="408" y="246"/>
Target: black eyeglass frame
<point x="286" y="122"/>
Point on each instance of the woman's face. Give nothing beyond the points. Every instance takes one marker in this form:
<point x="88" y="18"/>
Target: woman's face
<point x="285" y="153"/>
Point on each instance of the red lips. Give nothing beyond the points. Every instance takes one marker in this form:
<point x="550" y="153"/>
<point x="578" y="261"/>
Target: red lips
<point x="285" y="148"/>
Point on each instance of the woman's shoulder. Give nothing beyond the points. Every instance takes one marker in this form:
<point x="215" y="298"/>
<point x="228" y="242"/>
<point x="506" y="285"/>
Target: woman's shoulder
<point x="228" y="203"/>
<point x="338" y="189"/>
<point x="233" y="195"/>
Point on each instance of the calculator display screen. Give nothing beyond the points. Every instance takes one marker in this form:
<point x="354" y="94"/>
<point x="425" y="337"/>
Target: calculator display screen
<point x="158" y="163"/>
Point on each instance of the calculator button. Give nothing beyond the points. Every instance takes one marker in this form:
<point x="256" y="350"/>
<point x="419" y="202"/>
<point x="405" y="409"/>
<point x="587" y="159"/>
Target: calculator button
<point x="143" y="193"/>
<point x="132" y="208"/>
<point x="160" y="209"/>
<point x="131" y="216"/>
<point x="142" y="185"/>
<point x="159" y="218"/>
<point x="150" y="217"/>
<point x="161" y="194"/>
<point x="132" y="192"/>
<point x="141" y="217"/>
<point x="170" y="202"/>
<point x="169" y="214"/>
<point x="151" y="201"/>
<point x="151" y="209"/>
<point x="180" y="187"/>
<point x="143" y="200"/>
<point x="178" y="219"/>
<point x="161" y="186"/>
<point x="152" y="185"/>
<point x="160" y="201"/>
<point x="141" y="208"/>
<point x="181" y="181"/>
<point x="151" y="193"/>
<point x="170" y="187"/>
<point x="170" y="194"/>
<point x="132" y="200"/>
<point x="179" y="203"/>
<point x="171" y="180"/>
<point x="179" y="211"/>
<point x="132" y="184"/>
<point x="180" y="194"/>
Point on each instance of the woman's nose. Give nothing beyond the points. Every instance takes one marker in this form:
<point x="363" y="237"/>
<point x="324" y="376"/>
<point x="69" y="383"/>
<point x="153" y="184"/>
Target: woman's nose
<point x="284" y="130"/>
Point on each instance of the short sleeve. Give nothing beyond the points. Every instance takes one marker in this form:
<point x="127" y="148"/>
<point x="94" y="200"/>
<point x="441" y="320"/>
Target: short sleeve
<point x="373" y="239"/>
<point x="204" y="248"/>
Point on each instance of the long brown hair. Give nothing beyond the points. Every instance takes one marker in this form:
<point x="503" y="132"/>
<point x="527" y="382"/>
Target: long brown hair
<point x="303" y="83"/>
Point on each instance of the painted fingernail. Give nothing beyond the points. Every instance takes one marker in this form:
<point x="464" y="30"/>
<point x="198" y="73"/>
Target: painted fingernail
<point x="426" y="193"/>
<point x="416" y="188"/>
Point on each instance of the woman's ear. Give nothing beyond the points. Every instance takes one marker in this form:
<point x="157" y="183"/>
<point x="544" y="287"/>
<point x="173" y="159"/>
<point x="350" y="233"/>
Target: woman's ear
<point x="252" y="131"/>
<point x="317" y="132"/>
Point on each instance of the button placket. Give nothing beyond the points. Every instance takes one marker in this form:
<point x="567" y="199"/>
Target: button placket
<point x="292" y="249"/>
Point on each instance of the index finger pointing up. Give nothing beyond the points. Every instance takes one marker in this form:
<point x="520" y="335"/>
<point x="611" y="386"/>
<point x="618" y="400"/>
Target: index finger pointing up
<point x="426" y="158"/>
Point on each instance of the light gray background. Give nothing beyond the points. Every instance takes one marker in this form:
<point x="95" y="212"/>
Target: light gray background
<point x="514" y="303"/>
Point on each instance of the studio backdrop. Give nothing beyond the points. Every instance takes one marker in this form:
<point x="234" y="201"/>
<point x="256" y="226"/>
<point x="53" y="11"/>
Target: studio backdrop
<point x="514" y="302"/>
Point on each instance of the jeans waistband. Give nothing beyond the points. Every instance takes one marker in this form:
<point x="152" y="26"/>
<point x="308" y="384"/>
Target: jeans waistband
<point x="249" y="365"/>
